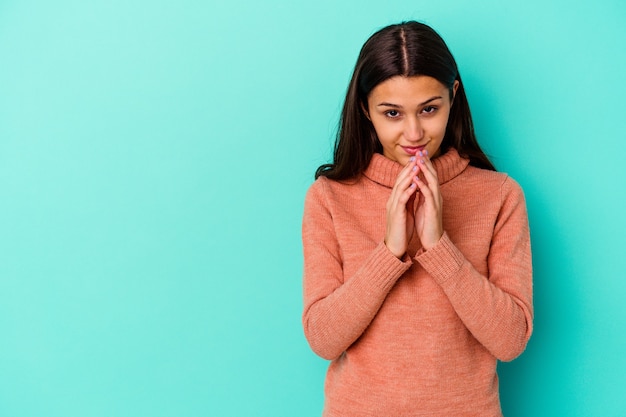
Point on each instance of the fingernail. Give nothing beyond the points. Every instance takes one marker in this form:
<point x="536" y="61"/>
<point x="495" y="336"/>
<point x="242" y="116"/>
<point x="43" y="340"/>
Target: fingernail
<point x="412" y="159"/>
<point x="420" y="153"/>
<point x="414" y="168"/>
<point x="425" y="151"/>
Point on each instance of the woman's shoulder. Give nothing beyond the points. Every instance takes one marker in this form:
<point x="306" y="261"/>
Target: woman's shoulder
<point x="319" y="191"/>
<point x="323" y="185"/>
<point x="330" y="193"/>
<point x="489" y="176"/>
<point x="492" y="182"/>
<point x="319" y="186"/>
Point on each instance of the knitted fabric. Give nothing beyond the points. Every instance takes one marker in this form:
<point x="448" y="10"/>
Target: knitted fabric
<point x="421" y="335"/>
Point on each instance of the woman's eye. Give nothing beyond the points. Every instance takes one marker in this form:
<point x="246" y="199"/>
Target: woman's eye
<point x="429" y="109"/>
<point x="392" y="113"/>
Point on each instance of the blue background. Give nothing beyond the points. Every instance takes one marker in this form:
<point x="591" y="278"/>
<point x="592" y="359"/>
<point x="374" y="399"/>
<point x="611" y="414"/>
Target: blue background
<point x="154" y="157"/>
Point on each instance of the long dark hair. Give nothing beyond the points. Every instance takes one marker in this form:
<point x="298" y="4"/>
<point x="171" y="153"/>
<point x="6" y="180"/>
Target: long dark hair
<point x="406" y="49"/>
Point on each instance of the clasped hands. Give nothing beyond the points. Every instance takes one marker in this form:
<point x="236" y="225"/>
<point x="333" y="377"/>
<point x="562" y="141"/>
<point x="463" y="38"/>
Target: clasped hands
<point x="414" y="206"/>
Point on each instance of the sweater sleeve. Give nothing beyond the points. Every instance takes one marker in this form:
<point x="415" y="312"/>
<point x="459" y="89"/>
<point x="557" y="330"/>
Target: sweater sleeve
<point x="338" y="309"/>
<point x="496" y="309"/>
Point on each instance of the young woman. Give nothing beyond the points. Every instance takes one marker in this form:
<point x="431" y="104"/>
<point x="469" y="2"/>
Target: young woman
<point x="417" y="263"/>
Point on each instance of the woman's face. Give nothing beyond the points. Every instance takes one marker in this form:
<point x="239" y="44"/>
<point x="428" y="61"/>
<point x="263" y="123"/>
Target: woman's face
<point x="409" y="114"/>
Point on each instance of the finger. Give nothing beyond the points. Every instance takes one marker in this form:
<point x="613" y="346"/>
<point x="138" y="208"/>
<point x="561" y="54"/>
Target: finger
<point x="405" y="196"/>
<point x="427" y="167"/>
<point x="410" y="204"/>
<point x="429" y="184"/>
<point x="403" y="182"/>
<point x="424" y="188"/>
<point x="407" y="171"/>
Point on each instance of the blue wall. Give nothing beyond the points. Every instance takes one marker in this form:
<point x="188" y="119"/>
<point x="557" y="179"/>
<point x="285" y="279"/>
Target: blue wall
<point x="154" y="157"/>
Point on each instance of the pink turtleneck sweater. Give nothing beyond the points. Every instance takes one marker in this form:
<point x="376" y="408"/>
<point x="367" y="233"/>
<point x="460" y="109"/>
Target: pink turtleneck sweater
<point x="418" y="336"/>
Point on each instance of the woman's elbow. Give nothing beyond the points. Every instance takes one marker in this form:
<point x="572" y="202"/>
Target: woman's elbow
<point x="325" y="352"/>
<point x="510" y="350"/>
<point x="509" y="354"/>
<point x="322" y="346"/>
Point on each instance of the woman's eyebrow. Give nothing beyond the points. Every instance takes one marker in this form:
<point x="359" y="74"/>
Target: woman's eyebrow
<point x="399" y="106"/>
<point x="430" y="99"/>
<point x="390" y="105"/>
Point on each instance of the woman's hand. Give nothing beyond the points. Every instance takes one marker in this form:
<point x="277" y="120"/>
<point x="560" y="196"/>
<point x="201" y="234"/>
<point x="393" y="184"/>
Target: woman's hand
<point x="428" y="216"/>
<point x="400" y="219"/>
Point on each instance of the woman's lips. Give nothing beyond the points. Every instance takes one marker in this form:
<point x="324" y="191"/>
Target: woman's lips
<point x="412" y="150"/>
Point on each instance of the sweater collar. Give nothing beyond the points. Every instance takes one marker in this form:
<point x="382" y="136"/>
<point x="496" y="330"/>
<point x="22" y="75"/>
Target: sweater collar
<point x="384" y="171"/>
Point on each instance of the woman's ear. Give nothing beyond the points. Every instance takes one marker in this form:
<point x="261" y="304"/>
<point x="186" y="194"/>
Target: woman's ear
<point x="365" y="112"/>
<point x="454" y="88"/>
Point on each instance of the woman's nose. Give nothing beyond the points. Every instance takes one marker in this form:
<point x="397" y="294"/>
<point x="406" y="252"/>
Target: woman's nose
<point x="413" y="130"/>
